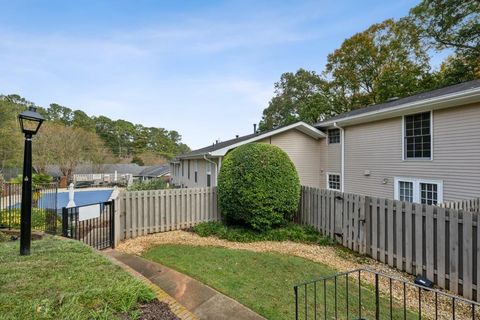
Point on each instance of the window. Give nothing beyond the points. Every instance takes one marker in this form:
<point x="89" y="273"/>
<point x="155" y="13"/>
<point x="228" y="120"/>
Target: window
<point x="419" y="190"/>
<point x="418" y="136"/>
<point x="196" y="171"/>
<point x="429" y="193"/>
<point x="188" y="169"/>
<point x="406" y="191"/>
<point x="333" y="136"/>
<point x="209" y="174"/>
<point x="333" y="181"/>
<point x="182" y="167"/>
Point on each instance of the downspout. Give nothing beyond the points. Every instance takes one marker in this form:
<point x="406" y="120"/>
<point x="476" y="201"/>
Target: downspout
<point x="342" y="142"/>
<point x="215" y="164"/>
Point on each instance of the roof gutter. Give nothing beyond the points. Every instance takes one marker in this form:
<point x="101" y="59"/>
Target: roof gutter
<point x="216" y="167"/>
<point x="342" y="142"/>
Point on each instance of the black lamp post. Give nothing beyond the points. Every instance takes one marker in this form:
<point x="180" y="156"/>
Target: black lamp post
<point x="30" y="121"/>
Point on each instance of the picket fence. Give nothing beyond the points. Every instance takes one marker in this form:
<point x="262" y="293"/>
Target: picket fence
<point x="144" y="212"/>
<point x="440" y="243"/>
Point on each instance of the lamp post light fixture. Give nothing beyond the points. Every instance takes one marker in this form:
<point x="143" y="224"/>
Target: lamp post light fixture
<point x="30" y="121"/>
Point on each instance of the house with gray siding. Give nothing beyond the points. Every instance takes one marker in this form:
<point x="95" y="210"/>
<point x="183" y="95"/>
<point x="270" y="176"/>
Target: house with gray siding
<point x="423" y="148"/>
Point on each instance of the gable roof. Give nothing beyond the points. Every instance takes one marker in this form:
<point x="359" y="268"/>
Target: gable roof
<point x="155" y="171"/>
<point x="221" y="148"/>
<point x="463" y="93"/>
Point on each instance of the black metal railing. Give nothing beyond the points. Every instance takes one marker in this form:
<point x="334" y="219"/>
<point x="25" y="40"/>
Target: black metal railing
<point x="44" y="206"/>
<point x="366" y="294"/>
<point x="92" y="224"/>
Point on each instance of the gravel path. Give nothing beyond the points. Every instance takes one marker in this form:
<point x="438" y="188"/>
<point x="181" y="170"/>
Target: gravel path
<point x="332" y="256"/>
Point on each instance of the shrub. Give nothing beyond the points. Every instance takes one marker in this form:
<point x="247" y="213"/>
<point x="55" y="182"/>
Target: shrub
<point x="38" y="179"/>
<point x="289" y="232"/>
<point x="154" y="184"/>
<point x="39" y="218"/>
<point x="258" y="186"/>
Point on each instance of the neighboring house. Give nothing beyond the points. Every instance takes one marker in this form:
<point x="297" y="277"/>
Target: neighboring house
<point x="154" y="172"/>
<point x="423" y="148"/>
<point x="119" y="173"/>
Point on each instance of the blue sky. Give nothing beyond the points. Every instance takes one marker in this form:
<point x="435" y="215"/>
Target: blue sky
<point x="203" y="68"/>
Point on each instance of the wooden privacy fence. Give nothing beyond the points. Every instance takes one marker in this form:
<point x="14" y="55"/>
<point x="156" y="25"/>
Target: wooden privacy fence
<point x="468" y="205"/>
<point x="440" y="243"/>
<point x="145" y="212"/>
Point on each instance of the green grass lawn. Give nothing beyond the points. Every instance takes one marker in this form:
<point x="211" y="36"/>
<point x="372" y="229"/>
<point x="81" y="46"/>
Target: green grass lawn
<point x="64" y="279"/>
<point x="264" y="281"/>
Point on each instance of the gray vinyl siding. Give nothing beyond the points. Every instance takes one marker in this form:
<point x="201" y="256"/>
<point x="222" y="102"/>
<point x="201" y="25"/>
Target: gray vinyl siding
<point x="377" y="147"/>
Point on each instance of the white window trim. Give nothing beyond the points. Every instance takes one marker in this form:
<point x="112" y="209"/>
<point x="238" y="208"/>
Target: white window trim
<point x="416" y="187"/>
<point x="333" y="174"/>
<point x="328" y="138"/>
<point x="404" y="158"/>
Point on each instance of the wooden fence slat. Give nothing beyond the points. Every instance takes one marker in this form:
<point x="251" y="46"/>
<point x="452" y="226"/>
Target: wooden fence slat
<point x="375" y="229"/>
<point x="382" y="225"/>
<point x="390" y="231"/>
<point x="128" y="217"/>
<point x="430" y="242"/>
<point x="441" y="246"/>
<point x="418" y="239"/>
<point x="477" y="267"/>
<point x="399" y="234"/>
<point x="467" y="254"/>
<point x="408" y="237"/>
<point x="453" y="274"/>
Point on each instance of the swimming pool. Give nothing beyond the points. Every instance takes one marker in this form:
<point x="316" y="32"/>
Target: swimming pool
<point x="81" y="198"/>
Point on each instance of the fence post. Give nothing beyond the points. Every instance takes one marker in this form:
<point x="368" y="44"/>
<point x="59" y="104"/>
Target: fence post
<point x="64" y="222"/>
<point x="367" y="226"/>
<point x="377" y="298"/>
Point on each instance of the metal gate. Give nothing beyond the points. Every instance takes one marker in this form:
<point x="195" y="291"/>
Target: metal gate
<point x="91" y="224"/>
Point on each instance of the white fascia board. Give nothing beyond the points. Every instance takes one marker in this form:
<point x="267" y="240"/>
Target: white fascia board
<point x="445" y="101"/>
<point x="301" y="126"/>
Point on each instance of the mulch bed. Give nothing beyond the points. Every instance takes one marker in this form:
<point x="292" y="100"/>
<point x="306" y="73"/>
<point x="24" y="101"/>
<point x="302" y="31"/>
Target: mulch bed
<point x="156" y="310"/>
<point x="153" y="310"/>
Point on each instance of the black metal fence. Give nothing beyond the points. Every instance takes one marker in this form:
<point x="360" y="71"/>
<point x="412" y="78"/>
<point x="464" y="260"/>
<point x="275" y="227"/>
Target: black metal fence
<point x="91" y="224"/>
<point x="44" y="206"/>
<point x="366" y="294"/>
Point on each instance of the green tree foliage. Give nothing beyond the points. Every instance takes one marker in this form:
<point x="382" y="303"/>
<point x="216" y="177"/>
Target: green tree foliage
<point x="70" y="137"/>
<point x="452" y="25"/>
<point x="258" y="185"/>
<point x="386" y="60"/>
<point x="302" y="95"/>
<point x="10" y="136"/>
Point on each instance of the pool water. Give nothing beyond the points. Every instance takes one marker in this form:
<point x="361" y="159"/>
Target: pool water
<point x="81" y="198"/>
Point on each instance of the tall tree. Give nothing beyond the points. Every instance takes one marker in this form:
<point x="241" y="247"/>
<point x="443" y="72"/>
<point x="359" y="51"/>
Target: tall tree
<point x="386" y="60"/>
<point x="66" y="147"/>
<point x="453" y="25"/>
<point x="302" y="95"/>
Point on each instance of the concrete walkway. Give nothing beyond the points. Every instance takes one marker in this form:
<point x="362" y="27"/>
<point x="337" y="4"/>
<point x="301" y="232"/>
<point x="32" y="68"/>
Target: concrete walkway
<point x="200" y="299"/>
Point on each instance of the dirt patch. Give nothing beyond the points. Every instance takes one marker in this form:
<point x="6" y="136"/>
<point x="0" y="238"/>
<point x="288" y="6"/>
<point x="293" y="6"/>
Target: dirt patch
<point x="336" y="257"/>
<point x="156" y="310"/>
<point x="153" y="310"/>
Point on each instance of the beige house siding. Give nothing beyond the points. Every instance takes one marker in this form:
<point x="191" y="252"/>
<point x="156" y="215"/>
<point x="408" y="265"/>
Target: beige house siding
<point x="377" y="148"/>
<point x="304" y="151"/>
<point x="179" y="180"/>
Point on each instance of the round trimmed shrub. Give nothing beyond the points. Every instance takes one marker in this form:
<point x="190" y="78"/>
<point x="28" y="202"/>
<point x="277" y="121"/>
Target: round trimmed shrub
<point x="258" y="186"/>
